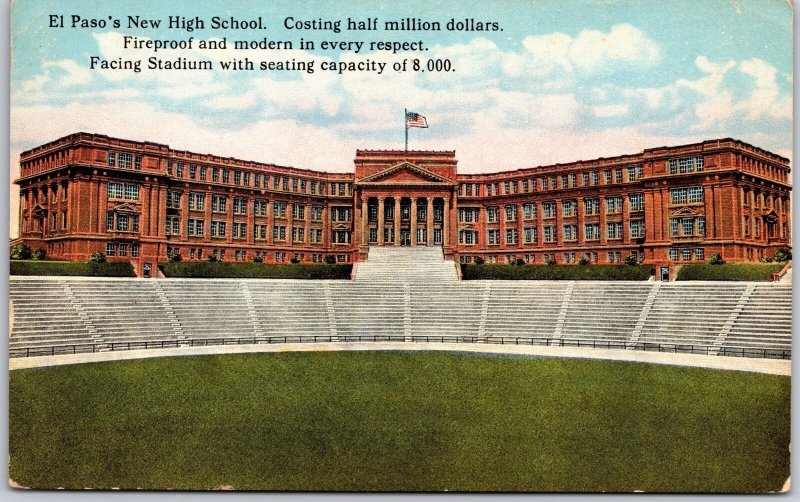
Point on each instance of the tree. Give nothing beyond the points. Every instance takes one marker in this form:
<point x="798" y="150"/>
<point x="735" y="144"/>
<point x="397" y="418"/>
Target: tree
<point x="20" y="252"/>
<point x="716" y="260"/>
<point x="479" y="260"/>
<point x="295" y="260"/>
<point x="39" y="254"/>
<point x="175" y="257"/>
<point x="783" y="255"/>
<point x="211" y="258"/>
<point x="520" y="262"/>
<point x="551" y="261"/>
<point x="258" y="259"/>
<point x="97" y="257"/>
<point x="584" y="261"/>
<point x="631" y="259"/>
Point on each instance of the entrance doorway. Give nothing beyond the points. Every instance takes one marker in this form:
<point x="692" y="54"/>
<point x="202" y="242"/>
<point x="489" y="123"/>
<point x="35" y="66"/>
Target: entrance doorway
<point x="664" y="272"/>
<point x="405" y="237"/>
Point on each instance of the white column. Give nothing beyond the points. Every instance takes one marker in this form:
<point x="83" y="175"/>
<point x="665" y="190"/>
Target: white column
<point x="380" y="220"/>
<point x="429" y="221"/>
<point x="413" y="221"/>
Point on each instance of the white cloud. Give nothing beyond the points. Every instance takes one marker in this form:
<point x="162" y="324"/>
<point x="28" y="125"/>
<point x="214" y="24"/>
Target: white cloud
<point x="607" y="111"/>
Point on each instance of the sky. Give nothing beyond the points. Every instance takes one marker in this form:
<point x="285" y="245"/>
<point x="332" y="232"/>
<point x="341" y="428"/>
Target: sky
<point x="563" y="81"/>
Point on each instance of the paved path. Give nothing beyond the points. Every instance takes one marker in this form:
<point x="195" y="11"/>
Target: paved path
<point x="768" y="366"/>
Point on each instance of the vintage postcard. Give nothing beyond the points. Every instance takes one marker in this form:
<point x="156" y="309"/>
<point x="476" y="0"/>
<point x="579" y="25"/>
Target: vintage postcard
<point x="507" y="246"/>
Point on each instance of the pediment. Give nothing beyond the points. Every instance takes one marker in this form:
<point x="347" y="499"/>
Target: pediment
<point x="38" y="210"/>
<point x="125" y="208"/>
<point x="685" y="211"/>
<point x="404" y="173"/>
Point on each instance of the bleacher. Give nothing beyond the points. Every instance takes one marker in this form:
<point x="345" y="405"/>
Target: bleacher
<point x="419" y="302"/>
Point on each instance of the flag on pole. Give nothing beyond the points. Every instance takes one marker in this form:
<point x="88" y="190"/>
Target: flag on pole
<point x="415" y="120"/>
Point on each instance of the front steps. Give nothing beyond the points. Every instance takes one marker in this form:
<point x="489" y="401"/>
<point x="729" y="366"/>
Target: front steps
<point x="406" y="264"/>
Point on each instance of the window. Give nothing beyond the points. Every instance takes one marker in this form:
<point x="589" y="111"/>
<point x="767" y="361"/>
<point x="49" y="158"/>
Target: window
<point x="636" y="201"/>
<point x="219" y="203"/>
<point x="552" y="180"/>
<point x="595" y="178"/>
<point x="218" y="229"/>
<point x="468" y="214"/>
<point x="225" y="175"/>
<point x="279" y="209"/>
<point x="197" y="201"/>
<point x="564" y="181"/>
<point x="548" y="209"/>
<point x="674" y="228"/>
<point x="618" y="175"/>
<point x="686" y="254"/>
<point x="315" y="235"/>
<point x="340" y="237"/>
<point x="279" y="233"/>
<point x="549" y="233"/>
<point x="591" y="206"/>
<point x="613" y="205"/>
<point x="585" y="179"/>
<point x="316" y="213"/>
<point x="634" y="173"/>
<point x="568" y="258"/>
<point x="530" y="235"/>
<point x="506" y="187"/>
<point x="511" y="213"/>
<point x="239" y="230"/>
<point x="173" y="199"/>
<point x="173" y="226"/>
<point x="614" y="257"/>
<point x="260" y="207"/>
<point x="637" y="229"/>
<point x="124" y="160"/>
<point x="529" y="211"/>
<point x="111" y="249"/>
<point x="276" y="182"/>
<point x="570" y="233"/>
<point x="699" y="254"/>
<point x="591" y="231"/>
<point x="239" y="205"/>
<point x="467" y="237"/>
<point x="614" y="230"/>
<point x="111" y="160"/>
<point x="114" y="190"/>
<point x="493" y="236"/>
<point x="246" y="179"/>
<point x="192" y="171"/>
<point x="214" y="174"/>
<point x="686" y="195"/>
<point x="202" y="173"/>
<point x="685" y="165"/>
<point x="237" y="177"/>
<point x="260" y="232"/>
<point x="341" y="213"/>
<point x="491" y="214"/>
<point x="511" y="236"/>
<point x="673" y="254"/>
<point x="298" y="211"/>
<point x="179" y="169"/>
<point x="298" y="234"/>
<point x="313" y="188"/>
<point x="573" y="180"/>
<point x="568" y="208"/>
<point x="688" y="226"/>
<point x="607" y="176"/>
<point x="195" y="228"/>
<point x="700" y="223"/>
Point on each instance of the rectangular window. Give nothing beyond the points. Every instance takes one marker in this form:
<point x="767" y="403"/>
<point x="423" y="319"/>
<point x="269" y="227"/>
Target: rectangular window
<point x="111" y="249"/>
<point x="298" y="211"/>
<point x="246" y="179"/>
<point x="202" y="173"/>
<point x="614" y="230"/>
<point x="637" y="229"/>
<point x="511" y="236"/>
<point x="192" y="171"/>
<point x="701" y="226"/>
<point x="529" y="211"/>
<point x="695" y="194"/>
<point x="179" y="169"/>
<point x="674" y="227"/>
<point x="279" y="233"/>
<point x="225" y="176"/>
<point x="491" y="214"/>
<point x="219" y="203"/>
<point x="110" y="220"/>
<point x="688" y="226"/>
<point x="585" y="177"/>
<point x="298" y="234"/>
<point x="214" y="174"/>
<point x="618" y="175"/>
<point x="686" y="254"/>
<point x="607" y="176"/>
<point x="279" y="209"/>
<point x="237" y="177"/>
<point x="239" y="230"/>
<point x="613" y="205"/>
<point x="636" y="201"/>
<point x="570" y="233"/>
<point x="595" y="178"/>
<point x="111" y="158"/>
<point x="530" y="235"/>
<point x="260" y="207"/>
<point x="549" y="233"/>
<point x="239" y="205"/>
<point x="131" y="191"/>
<point x="218" y="229"/>
<point x="699" y="254"/>
<point x="548" y="209"/>
<point x="569" y="208"/>
<point x="591" y="206"/>
<point x="678" y="196"/>
<point x="511" y="213"/>
<point x="493" y="236"/>
<point x="591" y="231"/>
<point x="114" y="190"/>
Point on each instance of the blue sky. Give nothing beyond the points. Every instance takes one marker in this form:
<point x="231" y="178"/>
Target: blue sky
<point x="564" y="80"/>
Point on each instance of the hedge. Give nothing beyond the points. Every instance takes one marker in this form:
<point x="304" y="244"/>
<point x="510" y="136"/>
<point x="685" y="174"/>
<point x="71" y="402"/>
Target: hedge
<point x="206" y="269"/>
<point x="108" y="269"/>
<point x="558" y="272"/>
<point x="728" y="271"/>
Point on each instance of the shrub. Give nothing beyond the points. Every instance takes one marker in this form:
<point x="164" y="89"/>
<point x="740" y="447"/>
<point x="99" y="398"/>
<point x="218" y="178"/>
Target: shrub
<point x="479" y="260"/>
<point x="20" y="252"/>
<point x="39" y="254"/>
<point x="258" y="259"/>
<point x="295" y="260"/>
<point x="766" y="259"/>
<point x="783" y="255"/>
<point x="631" y="259"/>
<point x="584" y="261"/>
<point x="175" y="257"/>
<point x="97" y="257"/>
<point x="728" y="271"/>
<point x="211" y="258"/>
<point x="258" y="270"/>
<point x="551" y="261"/>
<point x="716" y="260"/>
<point x="330" y="259"/>
<point x="98" y="269"/>
<point x="558" y="272"/>
<point x="520" y="262"/>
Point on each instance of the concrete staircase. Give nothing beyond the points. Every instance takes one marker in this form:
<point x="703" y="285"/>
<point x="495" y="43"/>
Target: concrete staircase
<point x="411" y="264"/>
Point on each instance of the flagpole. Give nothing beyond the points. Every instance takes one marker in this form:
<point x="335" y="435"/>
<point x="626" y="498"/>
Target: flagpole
<point x="405" y="124"/>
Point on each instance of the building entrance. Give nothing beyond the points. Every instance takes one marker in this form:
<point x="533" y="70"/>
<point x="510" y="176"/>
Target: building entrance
<point x="405" y="238"/>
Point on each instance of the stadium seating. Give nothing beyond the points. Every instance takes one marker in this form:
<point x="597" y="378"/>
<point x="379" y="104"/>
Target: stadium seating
<point x="411" y="302"/>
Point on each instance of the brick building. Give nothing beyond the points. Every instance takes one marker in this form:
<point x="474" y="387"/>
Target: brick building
<point x="142" y="201"/>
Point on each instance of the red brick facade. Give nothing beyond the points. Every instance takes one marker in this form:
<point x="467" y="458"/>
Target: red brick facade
<point x="134" y="201"/>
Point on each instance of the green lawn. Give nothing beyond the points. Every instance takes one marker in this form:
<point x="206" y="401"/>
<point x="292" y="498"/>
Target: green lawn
<point x="397" y="421"/>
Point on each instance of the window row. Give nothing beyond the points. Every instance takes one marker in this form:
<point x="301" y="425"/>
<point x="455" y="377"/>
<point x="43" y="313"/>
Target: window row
<point x="128" y="191"/>
<point x="570" y="180"/>
<point x="569" y="257"/>
<point x="687" y="254"/>
<point x="685" y="165"/>
<point x="122" y="222"/>
<point x="688" y="227"/>
<point x="122" y="249"/>
<point x="124" y="160"/>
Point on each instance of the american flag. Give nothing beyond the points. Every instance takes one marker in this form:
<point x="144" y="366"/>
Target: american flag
<point x="415" y="120"/>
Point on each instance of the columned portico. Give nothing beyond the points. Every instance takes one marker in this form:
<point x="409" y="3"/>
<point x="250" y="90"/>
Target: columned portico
<point x="405" y="203"/>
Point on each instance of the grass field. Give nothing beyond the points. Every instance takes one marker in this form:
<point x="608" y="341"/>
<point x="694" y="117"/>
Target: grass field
<point x="397" y="421"/>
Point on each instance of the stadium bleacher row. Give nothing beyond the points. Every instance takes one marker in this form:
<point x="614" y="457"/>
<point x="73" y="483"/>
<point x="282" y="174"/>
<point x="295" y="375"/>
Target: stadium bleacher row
<point x="400" y="301"/>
